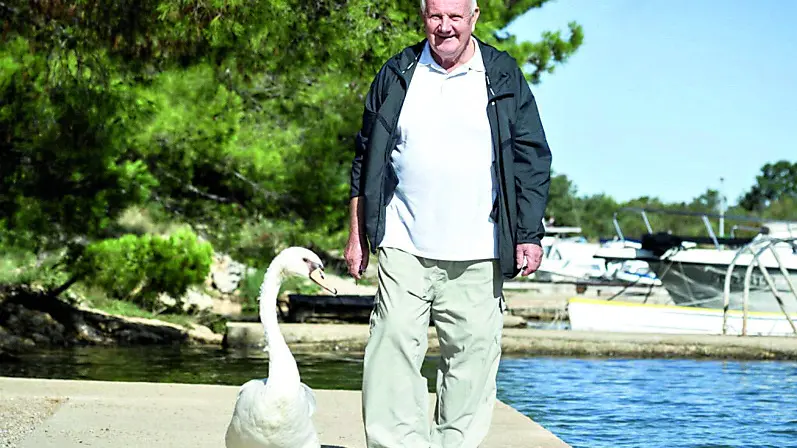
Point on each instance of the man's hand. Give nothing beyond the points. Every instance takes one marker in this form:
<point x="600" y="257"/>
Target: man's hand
<point x="356" y="255"/>
<point x="356" y="252"/>
<point x="528" y="257"/>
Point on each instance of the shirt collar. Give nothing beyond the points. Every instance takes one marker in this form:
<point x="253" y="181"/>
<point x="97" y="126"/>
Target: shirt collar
<point x="475" y="63"/>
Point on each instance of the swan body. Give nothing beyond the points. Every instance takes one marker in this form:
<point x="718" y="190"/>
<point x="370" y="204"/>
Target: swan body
<point x="276" y="412"/>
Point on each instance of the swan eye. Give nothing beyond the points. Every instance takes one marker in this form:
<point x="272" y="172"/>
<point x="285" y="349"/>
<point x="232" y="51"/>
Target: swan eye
<point x="311" y="264"/>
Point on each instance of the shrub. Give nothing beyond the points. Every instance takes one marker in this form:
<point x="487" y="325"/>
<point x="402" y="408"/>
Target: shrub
<point x="21" y="266"/>
<point x="139" y="268"/>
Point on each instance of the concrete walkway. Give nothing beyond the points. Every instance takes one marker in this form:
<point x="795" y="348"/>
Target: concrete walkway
<point x="533" y="342"/>
<point x="153" y="415"/>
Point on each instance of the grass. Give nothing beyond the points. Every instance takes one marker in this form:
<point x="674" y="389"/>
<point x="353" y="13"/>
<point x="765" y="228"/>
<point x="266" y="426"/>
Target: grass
<point x="98" y="300"/>
<point x="21" y="267"/>
<point x="14" y="268"/>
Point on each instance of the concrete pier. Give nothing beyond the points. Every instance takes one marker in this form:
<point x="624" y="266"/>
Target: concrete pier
<point x="71" y="414"/>
<point x="534" y="342"/>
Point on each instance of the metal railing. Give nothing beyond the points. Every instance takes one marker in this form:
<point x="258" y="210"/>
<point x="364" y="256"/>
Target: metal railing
<point x="644" y="213"/>
<point x="702" y="215"/>
<point x="756" y="249"/>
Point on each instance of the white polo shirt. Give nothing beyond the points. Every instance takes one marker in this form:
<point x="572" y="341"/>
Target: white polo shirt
<point x="446" y="185"/>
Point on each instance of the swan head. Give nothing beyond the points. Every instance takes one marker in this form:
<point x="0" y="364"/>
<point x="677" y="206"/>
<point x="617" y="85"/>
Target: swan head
<point x="303" y="262"/>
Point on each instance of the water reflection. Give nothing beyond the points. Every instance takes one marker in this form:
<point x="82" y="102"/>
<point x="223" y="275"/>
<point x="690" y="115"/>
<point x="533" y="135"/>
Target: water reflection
<point x="193" y="365"/>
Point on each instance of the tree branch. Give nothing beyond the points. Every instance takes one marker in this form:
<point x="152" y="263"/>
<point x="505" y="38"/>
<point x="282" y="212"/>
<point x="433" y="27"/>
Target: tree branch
<point x="267" y="194"/>
<point x="196" y="190"/>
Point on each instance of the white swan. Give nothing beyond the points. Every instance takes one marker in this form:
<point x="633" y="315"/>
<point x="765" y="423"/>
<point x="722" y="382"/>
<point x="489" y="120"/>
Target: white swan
<point x="276" y="412"/>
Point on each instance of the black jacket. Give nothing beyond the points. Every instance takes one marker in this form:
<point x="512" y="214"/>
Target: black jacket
<point x="523" y="159"/>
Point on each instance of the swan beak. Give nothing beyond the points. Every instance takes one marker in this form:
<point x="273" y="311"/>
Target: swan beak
<point x="317" y="275"/>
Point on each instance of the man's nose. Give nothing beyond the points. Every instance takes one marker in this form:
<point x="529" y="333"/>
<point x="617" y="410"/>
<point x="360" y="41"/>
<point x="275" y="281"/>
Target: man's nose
<point x="445" y="25"/>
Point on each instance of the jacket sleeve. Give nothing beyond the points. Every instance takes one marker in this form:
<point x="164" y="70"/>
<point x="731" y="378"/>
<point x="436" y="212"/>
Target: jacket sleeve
<point x="373" y="101"/>
<point x="532" y="165"/>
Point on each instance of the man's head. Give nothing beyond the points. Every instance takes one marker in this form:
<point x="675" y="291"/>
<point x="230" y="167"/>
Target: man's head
<point x="449" y="25"/>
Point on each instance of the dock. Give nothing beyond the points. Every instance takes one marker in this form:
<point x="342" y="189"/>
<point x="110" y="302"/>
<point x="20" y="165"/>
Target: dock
<point x="44" y="413"/>
<point x="330" y="338"/>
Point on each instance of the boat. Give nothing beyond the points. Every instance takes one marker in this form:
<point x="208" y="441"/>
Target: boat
<point x="569" y="258"/>
<point x="632" y="272"/>
<point x="587" y="314"/>
<point x="696" y="270"/>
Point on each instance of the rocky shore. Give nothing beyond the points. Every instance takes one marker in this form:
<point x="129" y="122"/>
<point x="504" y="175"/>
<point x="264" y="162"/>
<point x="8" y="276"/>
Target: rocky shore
<point x="29" y="319"/>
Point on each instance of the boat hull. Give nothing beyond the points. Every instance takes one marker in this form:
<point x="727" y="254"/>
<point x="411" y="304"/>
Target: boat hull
<point x="702" y="285"/>
<point x="627" y="317"/>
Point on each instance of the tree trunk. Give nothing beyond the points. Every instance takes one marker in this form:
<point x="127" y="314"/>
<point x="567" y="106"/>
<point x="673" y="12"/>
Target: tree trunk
<point x="60" y="290"/>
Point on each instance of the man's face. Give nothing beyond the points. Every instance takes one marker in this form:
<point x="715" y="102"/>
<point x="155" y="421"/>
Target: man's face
<point x="449" y="25"/>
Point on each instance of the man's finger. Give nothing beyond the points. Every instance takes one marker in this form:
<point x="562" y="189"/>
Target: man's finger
<point x="355" y="270"/>
<point x="535" y="258"/>
<point x="354" y="266"/>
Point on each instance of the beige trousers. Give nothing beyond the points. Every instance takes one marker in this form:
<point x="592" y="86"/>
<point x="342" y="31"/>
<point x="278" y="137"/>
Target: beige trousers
<point x="463" y="299"/>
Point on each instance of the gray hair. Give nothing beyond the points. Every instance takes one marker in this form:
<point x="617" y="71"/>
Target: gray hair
<point x="472" y="6"/>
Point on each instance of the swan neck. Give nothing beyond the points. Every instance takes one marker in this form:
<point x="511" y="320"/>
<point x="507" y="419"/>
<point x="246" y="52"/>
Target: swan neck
<point x="269" y="291"/>
<point x="282" y="367"/>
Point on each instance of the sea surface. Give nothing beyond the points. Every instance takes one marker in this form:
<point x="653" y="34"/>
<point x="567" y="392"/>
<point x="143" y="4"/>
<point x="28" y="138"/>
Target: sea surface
<point x="589" y="403"/>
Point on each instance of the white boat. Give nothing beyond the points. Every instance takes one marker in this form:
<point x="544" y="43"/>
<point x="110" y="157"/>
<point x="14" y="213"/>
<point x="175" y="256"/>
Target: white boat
<point x="695" y="276"/>
<point x="628" y="317"/>
<point x="635" y="272"/>
<point x="569" y="257"/>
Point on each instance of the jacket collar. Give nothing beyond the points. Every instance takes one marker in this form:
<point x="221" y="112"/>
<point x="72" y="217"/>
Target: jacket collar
<point x="498" y="65"/>
<point x="404" y="63"/>
<point x="476" y="62"/>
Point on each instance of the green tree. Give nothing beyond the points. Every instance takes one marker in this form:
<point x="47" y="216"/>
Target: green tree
<point x="596" y="216"/>
<point x="222" y="113"/>
<point x="236" y="118"/>
<point x="708" y="202"/>
<point x="777" y="181"/>
<point x="784" y="208"/>
<point x="563" y="202"/>
<point x="66" y="171"/>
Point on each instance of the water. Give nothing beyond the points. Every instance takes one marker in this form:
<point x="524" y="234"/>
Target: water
<point x="589" y="403"/>
<point x="657" y="403"/>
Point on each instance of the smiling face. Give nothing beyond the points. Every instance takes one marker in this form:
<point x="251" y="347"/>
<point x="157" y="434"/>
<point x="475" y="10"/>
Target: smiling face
<point x="449" y="25"/>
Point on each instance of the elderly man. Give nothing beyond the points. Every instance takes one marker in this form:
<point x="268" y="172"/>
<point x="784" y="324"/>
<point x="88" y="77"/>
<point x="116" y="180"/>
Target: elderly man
<point x="449" y="184"/>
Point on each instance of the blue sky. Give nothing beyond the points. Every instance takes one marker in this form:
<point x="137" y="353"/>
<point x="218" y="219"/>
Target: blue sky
<point x="665" y="97"/>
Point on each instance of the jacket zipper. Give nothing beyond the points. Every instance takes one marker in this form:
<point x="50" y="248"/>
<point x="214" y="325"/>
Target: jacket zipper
<point x="500" y="153"/>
